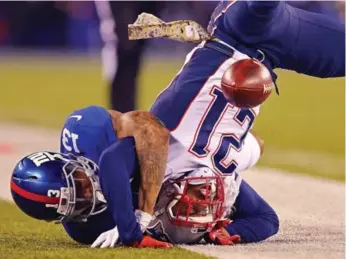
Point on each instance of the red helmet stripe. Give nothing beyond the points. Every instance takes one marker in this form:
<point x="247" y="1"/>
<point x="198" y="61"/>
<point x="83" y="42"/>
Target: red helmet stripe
<point x="33" y="196"/>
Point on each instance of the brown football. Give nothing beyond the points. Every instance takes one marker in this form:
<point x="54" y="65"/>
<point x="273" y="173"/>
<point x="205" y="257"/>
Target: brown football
<point x="247" y="83"/>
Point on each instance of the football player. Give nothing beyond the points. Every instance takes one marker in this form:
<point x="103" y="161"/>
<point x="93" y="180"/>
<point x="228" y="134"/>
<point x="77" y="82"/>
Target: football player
<point x="193" y="207"/>
<point x="93" y="130"/>
<point x="97" y="134"/>
<point x="206" y="131"/>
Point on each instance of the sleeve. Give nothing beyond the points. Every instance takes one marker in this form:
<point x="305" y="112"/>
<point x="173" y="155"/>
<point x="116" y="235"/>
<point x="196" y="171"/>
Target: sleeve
<point x="86" y="141"/>
<point x="87" y="232"/>
<point x="117" y="164"/>
<point x="294" y="39"/>
<point x="254" y="220"/>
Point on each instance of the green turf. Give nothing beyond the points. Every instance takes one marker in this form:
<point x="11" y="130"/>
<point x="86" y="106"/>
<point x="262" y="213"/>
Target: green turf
<point x="24" y="237"/>
<point x="303" y="128"/>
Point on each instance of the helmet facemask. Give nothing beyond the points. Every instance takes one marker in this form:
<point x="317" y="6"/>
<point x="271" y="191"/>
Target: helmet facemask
<point x="196" y="201"/>
<point x="82" y="197"/>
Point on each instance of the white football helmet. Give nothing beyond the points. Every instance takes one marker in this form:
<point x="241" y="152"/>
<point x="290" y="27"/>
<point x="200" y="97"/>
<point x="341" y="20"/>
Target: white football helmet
<point x="188" y="207"/>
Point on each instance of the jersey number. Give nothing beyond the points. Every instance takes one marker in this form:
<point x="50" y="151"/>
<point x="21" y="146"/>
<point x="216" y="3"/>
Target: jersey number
<point x="69" y="140"/>
<point x="207" y="126"/>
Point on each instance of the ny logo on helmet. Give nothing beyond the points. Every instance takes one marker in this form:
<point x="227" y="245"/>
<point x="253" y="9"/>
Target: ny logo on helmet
<point x="42" y="157"/>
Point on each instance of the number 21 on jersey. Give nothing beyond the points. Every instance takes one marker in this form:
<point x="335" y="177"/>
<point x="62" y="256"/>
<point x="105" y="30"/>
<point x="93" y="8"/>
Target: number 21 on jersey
<point x="228" y="142"/>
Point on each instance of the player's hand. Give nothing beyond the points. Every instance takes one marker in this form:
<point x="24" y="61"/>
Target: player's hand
<point x="219" y="235"/>
<point x="149" y="242"/>
<point x="143" y="219"/>
<point x="107" y="239"/>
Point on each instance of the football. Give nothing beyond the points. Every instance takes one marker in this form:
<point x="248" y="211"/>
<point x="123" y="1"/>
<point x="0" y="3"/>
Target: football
<point x="247" y="83"/>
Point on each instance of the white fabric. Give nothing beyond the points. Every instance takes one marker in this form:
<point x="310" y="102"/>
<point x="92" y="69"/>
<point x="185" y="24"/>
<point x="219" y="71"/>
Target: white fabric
<point x="182" y="158"/>
<point x="143" y="219"/>
<point x="107" y="239"/>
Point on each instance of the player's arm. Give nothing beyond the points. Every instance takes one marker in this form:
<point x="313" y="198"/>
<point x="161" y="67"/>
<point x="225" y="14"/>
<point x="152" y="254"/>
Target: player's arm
<point x="117" y="165"/>
<point x="152" y="140"/>
<point x="254" y="219"/>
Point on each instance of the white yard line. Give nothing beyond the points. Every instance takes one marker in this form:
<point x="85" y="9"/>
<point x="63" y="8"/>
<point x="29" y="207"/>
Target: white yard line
<point x="311" y="210"/>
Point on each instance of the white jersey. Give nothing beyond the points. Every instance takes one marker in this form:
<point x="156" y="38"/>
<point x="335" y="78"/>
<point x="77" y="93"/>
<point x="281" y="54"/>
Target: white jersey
<point x="206" y="131"/>
<point x="211" y="132"/>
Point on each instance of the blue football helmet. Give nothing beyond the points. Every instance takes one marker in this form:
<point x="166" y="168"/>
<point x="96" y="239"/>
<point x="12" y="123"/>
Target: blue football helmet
<point x="57" y="187"/>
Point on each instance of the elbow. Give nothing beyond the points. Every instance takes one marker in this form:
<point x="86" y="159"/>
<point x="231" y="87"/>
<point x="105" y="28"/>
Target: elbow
<point x="79" y="233"/>
<point x="269" y="228"/>
<point x="273" y="224"/>
<point x="159" y="129"/>
<point x="165" y="134"/>
<point x="145" y="124"/>
<point x="158" y="132"/>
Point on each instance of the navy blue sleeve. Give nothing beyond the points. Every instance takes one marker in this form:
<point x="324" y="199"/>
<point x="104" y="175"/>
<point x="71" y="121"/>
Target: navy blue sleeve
<point x="87" y="232"/>
<point x="118" y="163"/>
<point x="254" y="220"/>
<point x="294" y="39"/>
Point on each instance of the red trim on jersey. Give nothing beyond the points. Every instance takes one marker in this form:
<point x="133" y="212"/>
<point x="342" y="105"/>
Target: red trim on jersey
<point x="206" y="148"/>
<point x="33" y="196"/>
<point x="197" y="131"/>
<point x="246" y="118"/>
<point x="200" y="90"/>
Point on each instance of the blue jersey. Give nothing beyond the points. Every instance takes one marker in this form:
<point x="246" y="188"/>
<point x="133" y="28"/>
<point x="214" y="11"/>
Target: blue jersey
<point x="87" y="132"/>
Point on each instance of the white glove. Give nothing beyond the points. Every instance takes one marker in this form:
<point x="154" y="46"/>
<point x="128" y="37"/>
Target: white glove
<point x="143" y="219"/>
<point x="107" y="239"/>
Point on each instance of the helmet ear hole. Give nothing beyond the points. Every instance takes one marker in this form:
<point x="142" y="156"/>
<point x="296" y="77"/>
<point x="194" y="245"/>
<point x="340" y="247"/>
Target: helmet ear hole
<point x="32" y="177"/>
